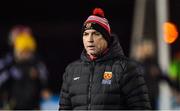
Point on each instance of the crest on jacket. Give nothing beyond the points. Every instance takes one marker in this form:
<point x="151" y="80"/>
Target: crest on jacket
<point x="107" y="76"/>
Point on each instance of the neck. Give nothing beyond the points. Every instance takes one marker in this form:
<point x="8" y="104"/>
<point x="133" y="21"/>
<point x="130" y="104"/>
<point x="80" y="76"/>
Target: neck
<point x="92" y="57"/>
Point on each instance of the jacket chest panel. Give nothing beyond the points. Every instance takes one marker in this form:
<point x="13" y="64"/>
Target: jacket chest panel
<point x="102" y="80"/>
<point x="79" y="81"/>
<point x="102" y="84"/>
<point x="105" y="80"/>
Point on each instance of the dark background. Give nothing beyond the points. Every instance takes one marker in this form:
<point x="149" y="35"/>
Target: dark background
<point x="56" y="25"/>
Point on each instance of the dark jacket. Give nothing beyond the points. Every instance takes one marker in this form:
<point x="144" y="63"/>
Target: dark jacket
<point x="22" y="83"/>
<point x="109" y="82"/>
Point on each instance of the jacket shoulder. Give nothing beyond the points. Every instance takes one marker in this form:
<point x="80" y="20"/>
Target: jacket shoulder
<point x="74" y="64"/>
<point x="127" y="63"/>
<point x="134" y="65"/>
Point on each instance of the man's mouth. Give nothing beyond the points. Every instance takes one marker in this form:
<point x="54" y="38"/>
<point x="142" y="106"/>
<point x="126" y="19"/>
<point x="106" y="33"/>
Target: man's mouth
<point x="91" y="47"/>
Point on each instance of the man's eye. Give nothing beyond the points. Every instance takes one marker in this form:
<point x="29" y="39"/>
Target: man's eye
<point x="85" y="34"/>
<point x="97" y="33"/>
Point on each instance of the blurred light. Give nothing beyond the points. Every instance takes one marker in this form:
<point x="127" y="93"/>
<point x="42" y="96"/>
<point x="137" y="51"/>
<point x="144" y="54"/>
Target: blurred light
<point x="170" y="32"/>
<point x="173" y="69"/>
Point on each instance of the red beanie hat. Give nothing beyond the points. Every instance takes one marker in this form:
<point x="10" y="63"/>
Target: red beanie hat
<point x="98" y="22"/>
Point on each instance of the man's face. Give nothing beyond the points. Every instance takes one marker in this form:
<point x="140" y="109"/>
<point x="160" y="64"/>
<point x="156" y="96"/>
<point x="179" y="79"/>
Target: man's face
<point x="94" y="42"/>
<point x="23" y="55"/>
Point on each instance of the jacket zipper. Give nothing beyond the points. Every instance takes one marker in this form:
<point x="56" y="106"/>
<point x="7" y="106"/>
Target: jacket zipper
<point x="90" y="85"/>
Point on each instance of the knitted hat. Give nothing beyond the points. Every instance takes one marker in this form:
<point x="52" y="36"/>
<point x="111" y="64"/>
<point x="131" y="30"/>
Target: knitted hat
<point x="23" y="42"/>
<point x="98" y="22"/>
<point x="16" y="30"/>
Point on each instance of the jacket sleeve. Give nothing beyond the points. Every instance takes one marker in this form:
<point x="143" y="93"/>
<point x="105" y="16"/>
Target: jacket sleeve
<point x="65" y="102"/>
<point x="134" y="88"/>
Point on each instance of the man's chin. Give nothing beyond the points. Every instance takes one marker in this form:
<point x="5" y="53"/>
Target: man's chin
<point x="92" y="53"/>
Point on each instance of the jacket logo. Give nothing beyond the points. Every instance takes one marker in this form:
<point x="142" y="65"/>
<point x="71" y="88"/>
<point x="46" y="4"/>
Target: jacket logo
<point x="76" y="78"/>
<point x="107" y="78"/>
<point x="107" y="75"/>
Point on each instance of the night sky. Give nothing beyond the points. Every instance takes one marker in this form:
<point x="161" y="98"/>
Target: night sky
<point x="56" y="25"/>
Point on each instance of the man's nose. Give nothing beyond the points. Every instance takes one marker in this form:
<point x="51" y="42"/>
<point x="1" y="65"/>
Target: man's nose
<point x="90" y="38"/>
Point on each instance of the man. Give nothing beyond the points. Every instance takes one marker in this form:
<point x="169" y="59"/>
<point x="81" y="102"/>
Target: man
<point x="8" y="58"/>
<point x="144" y="53"/>
<point x="23" y="80"/>
<point x="103" y="78"/>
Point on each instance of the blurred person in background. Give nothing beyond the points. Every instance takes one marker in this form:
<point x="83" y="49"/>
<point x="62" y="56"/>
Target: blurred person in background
<point x="152" y="71"/>
<point x="24" y="80"/>
<point x="8" y="58"/>
<point x="103" y="78"/>
<point x="145" y="55"/>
